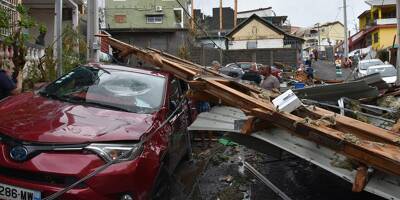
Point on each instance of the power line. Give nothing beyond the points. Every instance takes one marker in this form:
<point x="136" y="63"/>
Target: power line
<point x="201" y="28"/>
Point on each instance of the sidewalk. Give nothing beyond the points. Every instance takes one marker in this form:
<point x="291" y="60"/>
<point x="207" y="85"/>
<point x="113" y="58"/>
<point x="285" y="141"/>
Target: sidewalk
<point x="327" y="71"/>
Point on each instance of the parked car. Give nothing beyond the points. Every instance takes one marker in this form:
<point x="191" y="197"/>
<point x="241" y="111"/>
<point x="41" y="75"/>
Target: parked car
<point x="388" y="72"/>
<point x="363" y="66"/>
<point x="89" y="117"/>
<point x="236" y="70"/>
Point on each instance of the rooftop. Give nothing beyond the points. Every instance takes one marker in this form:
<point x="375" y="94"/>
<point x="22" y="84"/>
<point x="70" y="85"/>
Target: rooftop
<point x="380" y="2"/>
<point x="255" y="10"/>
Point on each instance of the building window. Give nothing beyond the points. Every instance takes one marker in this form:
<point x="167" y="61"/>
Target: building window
<point x="178" y="12"/>
<point x="120" y="18"/>
<point x="154" y="19"/>
<point x="251" y="44"/>
<point x="376" y="38"/>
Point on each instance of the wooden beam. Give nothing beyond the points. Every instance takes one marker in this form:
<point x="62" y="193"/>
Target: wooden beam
<point x="362" y="129"/>
<point x="361" y="179"/>
<point x="369" y="145"/>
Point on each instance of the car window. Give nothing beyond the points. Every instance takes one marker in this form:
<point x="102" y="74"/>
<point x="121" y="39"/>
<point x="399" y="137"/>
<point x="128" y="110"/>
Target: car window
<point x="365" y="65"/>
<point x="384" y="71"/>
<point x="245" y="66"/>
<point x="113" y="89"/>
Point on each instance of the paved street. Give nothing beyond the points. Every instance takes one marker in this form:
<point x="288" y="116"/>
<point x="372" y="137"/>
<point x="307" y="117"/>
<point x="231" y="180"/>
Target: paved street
<point x="327" y="71"/>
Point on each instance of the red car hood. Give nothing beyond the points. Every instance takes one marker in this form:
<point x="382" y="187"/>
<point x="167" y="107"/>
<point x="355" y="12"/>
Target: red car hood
<point x="30" y="117"/>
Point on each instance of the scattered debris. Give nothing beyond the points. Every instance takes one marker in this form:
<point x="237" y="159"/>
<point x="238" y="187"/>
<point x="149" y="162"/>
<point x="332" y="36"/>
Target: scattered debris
<point x="226" y="142"/>
<point x="227" y="179"/>
<point x="344" y="164"/>
<point x="351" y="138"/>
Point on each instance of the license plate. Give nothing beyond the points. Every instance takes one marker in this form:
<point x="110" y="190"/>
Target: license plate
<point x="8" y="192"/>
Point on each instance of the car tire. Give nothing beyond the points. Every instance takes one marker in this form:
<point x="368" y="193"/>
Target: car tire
<point x="162" y="186"/>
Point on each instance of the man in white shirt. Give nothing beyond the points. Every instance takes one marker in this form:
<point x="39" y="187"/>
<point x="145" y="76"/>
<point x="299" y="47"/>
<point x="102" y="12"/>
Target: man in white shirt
<point x="270" y="82"/>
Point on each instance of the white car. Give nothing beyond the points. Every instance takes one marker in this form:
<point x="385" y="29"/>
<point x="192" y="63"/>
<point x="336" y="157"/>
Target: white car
<point x="363" y="66"/>
<point x="388" y="72"/>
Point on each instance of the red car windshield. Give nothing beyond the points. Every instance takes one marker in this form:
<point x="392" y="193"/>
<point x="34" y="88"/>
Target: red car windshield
<point x="110" y="89"/>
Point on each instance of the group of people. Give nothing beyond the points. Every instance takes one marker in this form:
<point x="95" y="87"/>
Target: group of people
<point x="344" y="62"/>
<point x="261" y="76"/>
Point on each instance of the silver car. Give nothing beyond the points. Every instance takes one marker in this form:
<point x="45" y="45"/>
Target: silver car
<point x="363" y="66"/>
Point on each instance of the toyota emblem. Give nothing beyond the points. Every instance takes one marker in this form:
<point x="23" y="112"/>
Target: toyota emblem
<point x="19" y="153"/>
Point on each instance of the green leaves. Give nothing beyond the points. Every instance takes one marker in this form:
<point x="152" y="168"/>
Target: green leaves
<point x="4" y="19"/>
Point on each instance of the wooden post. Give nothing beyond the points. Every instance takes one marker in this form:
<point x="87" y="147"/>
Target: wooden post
<point x="236" y="11"/>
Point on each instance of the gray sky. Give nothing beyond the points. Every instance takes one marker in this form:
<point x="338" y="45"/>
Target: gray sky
<point x="300" y="12"/>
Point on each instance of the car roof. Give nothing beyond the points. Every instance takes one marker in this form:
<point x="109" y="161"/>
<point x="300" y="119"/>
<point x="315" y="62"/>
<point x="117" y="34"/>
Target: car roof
<point x="131" y="69"/>
<point x="381" y="66"/>
<point x="370" y="60"/>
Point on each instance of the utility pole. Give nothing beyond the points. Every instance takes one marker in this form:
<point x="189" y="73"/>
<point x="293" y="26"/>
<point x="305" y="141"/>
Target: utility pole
<point x="58" y="36"/>
<point x="220" y="30"/>
<point x="346" y="37"/>
<point x="193" y="16"/>
<point x="92" y="30"/>
<point x="236" y="11"/>
<point x="319" y="35"/>
<point x="398" y="41"/>
<point x="220" y="16"/>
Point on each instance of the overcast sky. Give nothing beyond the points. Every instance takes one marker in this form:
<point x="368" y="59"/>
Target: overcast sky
<point x="300" y="12"/>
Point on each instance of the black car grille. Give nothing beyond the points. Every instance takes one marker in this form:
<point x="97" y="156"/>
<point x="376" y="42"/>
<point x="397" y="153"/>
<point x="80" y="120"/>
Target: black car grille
<point x="38" y="177"/>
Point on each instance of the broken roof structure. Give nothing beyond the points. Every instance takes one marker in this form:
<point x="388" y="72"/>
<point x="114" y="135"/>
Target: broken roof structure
<point x="364" y="144"/>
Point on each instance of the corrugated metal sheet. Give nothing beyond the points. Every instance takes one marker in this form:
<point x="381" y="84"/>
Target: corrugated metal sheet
<point x="224" y="119"/>
<point x="333" y="92"/>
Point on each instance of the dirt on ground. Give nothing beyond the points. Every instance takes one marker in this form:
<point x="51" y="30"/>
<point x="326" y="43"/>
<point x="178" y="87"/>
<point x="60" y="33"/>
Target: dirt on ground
<point x="213" y="173"/>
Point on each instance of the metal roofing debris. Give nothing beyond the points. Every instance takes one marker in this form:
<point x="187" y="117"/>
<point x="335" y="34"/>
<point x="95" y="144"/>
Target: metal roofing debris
<point x="376" y="147"/>
<point x="374" y="80"/>
<point x="219" y="119"/>
<point x="384" y="185"/>
<point x="333" y="92"/>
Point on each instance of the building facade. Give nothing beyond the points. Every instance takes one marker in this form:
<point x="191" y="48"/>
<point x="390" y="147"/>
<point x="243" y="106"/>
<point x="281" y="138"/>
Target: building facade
<point x="322" y="35"/>
<point x="158" y="24"/>
<point x="43" y="12"/>
<point x="377" y="26"/>
<point x="258" y="33"/>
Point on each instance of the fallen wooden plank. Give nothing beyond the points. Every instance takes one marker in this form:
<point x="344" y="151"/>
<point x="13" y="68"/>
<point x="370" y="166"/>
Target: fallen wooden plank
<point x="372" y="147"/>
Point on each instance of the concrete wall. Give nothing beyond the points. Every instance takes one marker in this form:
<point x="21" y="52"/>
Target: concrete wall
<point x="135" y="14"/>
<point x="44" y="16"/>
<point x="386" y="37"/>
<point x="204" y="56"/>
<point x="261" y="44"/>
<point x="210" y="43"/>
<point x="166" y="41"/>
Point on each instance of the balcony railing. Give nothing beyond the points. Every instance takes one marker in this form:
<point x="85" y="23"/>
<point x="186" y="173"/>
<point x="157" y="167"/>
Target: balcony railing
<point x="9" y="6"/>
<point x="385" y="21"/>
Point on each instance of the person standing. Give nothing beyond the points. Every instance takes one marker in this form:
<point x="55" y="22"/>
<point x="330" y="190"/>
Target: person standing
<point x="252" y="75"/>
<point x="216" y="65"/>
<point x="8" y="86"/>
<point x="315" y="52"/>
<point x="270" y="82"/>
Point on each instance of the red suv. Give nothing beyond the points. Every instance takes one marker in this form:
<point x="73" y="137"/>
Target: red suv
<point x="96" y="114"/>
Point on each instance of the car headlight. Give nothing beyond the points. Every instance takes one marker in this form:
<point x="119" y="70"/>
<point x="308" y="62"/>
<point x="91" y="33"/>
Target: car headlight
<point x="111" y="152"/>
